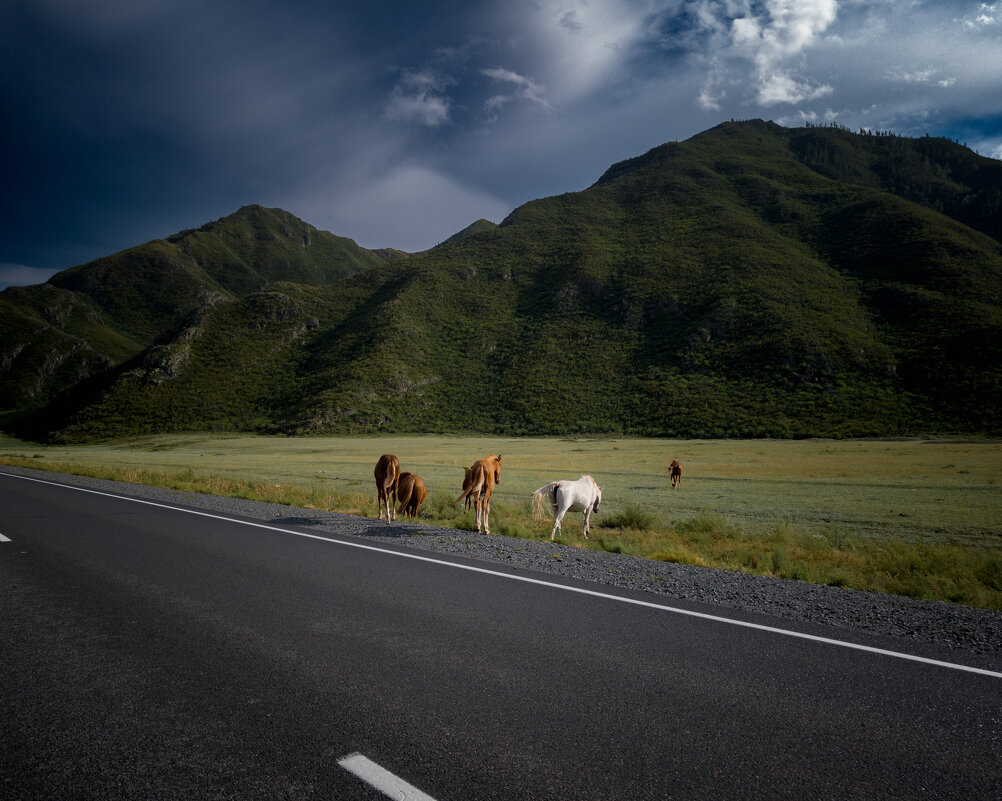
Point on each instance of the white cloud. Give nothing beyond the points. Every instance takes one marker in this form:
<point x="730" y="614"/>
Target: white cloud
<point x="781" y="88"/>
<point x="802" y="117"/>
<point x="710" y="96"/>
<point x="526" y="88"/>
<point x="711" y="92"/>
<point x="923" y="76"/>
<point x="986" y="14"/>
<point x="420" y="97"/>
<point x="496" y="103"/>
<point x="775" y="37"/>
<point x="781" y="31"/>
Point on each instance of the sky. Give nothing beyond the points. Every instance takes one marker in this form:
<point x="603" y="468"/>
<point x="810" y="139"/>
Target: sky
<point x="398" y="124"/>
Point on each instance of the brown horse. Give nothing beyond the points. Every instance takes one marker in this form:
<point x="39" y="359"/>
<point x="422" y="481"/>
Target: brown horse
<point x="411" y="493"/>
<point x="484" y="474"/>
<point x="675" y="468"/>
<point x="387" y="475"/>
<point x="467" y="480"/>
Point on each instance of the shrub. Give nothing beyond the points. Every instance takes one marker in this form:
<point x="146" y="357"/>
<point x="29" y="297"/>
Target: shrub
<point x="509" y="528"/>
<point x="680" y="555"/>
<point x="707" y="527"/>
<point x="631" y="517"/>
<point x="440" y="505"/>
<point x="989" y="573"/>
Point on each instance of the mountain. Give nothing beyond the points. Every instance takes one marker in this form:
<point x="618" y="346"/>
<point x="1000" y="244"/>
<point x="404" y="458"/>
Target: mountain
<point x="752" y="281"/>
<point x="88" y="319"/>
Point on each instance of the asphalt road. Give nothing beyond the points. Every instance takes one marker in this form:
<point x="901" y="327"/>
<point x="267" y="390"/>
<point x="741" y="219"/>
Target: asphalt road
<point x="153" y="653"/>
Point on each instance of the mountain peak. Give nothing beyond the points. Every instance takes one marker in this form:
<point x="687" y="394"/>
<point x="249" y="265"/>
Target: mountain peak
<point x="472" y="229"/>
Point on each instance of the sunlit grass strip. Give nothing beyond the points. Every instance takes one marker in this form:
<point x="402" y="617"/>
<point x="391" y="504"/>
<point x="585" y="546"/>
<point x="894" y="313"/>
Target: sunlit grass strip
<point x="307" y="497"/>
<point x="955" y="573"/>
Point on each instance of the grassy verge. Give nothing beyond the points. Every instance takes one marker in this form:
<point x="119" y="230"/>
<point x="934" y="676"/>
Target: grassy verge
<point x="884" y="551"/>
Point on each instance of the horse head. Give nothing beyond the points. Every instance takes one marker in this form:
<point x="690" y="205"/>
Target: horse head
<point x="497" y="468"/>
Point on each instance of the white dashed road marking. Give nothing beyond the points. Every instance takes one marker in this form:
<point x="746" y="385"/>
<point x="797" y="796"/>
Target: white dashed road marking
<point x="4" y="539"/>
<point x="380" y="778"/>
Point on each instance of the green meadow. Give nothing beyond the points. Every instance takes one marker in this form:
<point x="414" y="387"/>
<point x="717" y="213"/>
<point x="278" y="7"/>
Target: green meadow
<point x="917" y="517"/>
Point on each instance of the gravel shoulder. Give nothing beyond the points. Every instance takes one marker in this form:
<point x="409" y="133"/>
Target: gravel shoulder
<point x="962" y="629"/>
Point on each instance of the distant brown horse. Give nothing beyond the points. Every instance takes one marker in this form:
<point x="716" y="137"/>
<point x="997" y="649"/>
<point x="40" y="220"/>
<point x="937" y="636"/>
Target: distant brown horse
<point x="387" y="475"/>
<point x="484" y="474"/>
<point x="675" y="468"/>
<point x="412" y="494"/>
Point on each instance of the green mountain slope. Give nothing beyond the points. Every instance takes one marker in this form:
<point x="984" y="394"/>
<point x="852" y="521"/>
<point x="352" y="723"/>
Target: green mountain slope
<point x="752" y="281"/>
<point x="90" y="318"/>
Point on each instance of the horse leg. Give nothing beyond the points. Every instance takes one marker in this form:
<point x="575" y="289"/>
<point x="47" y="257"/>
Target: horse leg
<point x="488" y="492"/>
<point x="587" y="524"/>
<point x="556" y="522"/>
<point x="404" y="498"/>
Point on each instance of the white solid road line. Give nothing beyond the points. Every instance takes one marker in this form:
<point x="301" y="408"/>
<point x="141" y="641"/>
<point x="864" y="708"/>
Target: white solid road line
<point x="4" y="539"/>
<point x="528" y="580"/>
<point x="380" y="778"/>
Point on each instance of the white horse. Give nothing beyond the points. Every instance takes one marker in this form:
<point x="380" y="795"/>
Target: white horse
<point x="583" y="494"/>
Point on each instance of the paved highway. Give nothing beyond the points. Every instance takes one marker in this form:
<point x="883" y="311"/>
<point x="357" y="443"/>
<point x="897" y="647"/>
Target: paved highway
<point x="153" y="652"/>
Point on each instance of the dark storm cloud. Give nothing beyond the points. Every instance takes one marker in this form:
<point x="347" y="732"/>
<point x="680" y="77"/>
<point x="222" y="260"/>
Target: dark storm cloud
<point x="398" y="124"/>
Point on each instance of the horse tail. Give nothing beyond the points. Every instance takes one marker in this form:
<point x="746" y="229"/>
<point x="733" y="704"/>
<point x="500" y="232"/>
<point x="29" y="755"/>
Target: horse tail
<point x="477" y="481"/>
<point x="392" y="477"/>
<point x="404" y="496"/>
<point x="549" y="493"/>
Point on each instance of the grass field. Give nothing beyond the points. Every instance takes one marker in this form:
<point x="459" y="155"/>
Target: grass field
<point x="917" y="517"/>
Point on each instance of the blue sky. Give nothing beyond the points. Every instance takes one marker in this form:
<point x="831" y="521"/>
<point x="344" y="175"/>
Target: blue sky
<point x="398" y="124"/>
